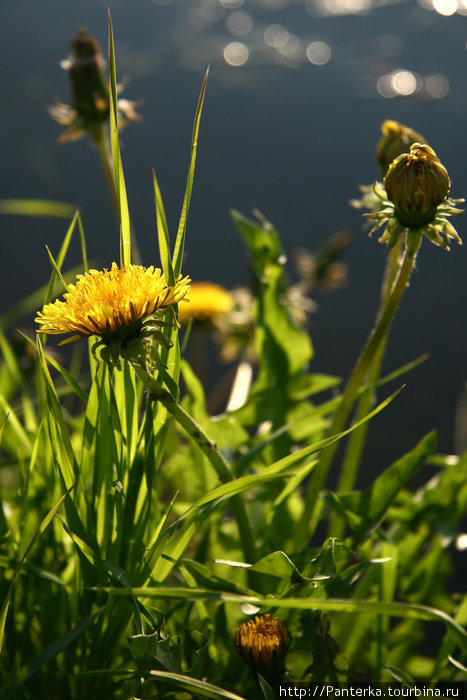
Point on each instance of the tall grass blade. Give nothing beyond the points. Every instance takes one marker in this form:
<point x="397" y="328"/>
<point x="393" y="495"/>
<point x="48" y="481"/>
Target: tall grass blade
<point x="180" y="241"/>
<point x="163" y="234"/>
<point x="42" y="527"/>
<point x="125" y="243"/>
<point x="25" y="673"/>
<point x="36" y="207"/>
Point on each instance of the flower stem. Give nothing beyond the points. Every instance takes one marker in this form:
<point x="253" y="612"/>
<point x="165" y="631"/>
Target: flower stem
<point x="356" y="443"/>
<point x="210" y="450"/>
<point x="375" y="340"/>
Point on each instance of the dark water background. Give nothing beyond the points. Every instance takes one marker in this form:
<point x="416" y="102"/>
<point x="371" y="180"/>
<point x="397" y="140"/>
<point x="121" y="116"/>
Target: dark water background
<point x="278" y="133"/>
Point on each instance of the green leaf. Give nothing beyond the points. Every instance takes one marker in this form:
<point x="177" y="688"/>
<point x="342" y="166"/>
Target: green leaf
<point x="42" y="527"/>
<point x="180" y="241"/>
<point x="37" y="207"/>
<point x="194" y="685"/>
<point x="410" y="611"/>
<point x="329" y="664"/>
<point x="50" y="652"/>
<point x="147" y="648"/>
<point x="59" y="438"/>
<point x="267" y="691"/>
<point x="283" y="348"/>
<point x="69" y="379"/>
<point x="375" y="500"/>
<point x="125" y="242"/>
<point x="163" y="234"/>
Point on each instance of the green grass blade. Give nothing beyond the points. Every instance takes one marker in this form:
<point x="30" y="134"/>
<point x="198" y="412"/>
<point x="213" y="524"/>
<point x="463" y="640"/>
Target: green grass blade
<point x="180" y="242"/>
<point x="25" y="673"/>
<point x="59" y="438"/>
<point x="82" y="240"/>
<point x="42" y="527"/>
<point x="69" y="379"/>
<point x="414" y="611"/>
<point x="125" y="242"/>
<point x="36" y="207"/>
<point x="291" y="459"/>
<point x="197" y="687"/>
<point x="163" y="234"/>
<point x="56" y="270"/>
<point x="60" y="259"/>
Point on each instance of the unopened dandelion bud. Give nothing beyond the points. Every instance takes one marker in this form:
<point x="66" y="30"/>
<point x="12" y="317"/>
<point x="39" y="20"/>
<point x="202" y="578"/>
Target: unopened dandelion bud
<point x="263" y="644"/>
<point x="416" y="183"/>
<point x="89" y="92"/>
<point x="90" y="100"/>
<point x="396" y="140"/>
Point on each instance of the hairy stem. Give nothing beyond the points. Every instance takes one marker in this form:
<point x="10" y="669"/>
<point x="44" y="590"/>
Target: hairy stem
<point x="375" y="340"/>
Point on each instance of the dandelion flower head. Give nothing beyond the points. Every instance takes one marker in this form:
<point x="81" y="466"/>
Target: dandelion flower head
<point x="111" y="303"/>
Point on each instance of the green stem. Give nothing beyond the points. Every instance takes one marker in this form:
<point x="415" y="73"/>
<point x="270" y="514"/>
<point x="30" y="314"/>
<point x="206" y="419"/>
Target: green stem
<point x="210" y="450"/>
<point x="377" y="336"/>
<point x="356" y="443"/>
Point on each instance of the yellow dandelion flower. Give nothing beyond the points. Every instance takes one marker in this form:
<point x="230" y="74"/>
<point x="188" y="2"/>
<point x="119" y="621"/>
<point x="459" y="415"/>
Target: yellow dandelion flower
<point x="263" y="644"/>
<point x="208" y="302"/>
<point x="118" y="305"/>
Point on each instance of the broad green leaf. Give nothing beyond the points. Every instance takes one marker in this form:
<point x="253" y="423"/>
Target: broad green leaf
<point x="278" y="564"/>
<point x="147" y="649"/>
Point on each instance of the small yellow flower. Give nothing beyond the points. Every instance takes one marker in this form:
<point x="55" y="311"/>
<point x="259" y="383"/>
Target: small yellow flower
<point x="208" y="302"/>
<point x="118" y="305"/>
<point x="263" y="644"/>
<point x="397" y="139"/>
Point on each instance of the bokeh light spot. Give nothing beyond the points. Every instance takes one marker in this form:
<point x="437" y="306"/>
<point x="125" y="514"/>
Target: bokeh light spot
<point x="437" y="86"/>
<point x="276" y="36"/>
<point x="236" y="53"/>
<point x="318" y="53"/>
<point x="239" y="23"/>
<point x="403" y="82"/>
<point x="445" y="7"/>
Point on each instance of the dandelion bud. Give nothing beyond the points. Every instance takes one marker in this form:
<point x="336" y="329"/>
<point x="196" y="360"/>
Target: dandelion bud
<point x="416" y="183"/>
<point x="263" y="644"/>
<point x="90" y="100"/>
<point x="89" y="92"/>
<point x="397" y="139"/>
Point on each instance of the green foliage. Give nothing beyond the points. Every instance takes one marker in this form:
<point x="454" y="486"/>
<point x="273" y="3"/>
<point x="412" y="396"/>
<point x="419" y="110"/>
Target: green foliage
<point x="137" y="530"/>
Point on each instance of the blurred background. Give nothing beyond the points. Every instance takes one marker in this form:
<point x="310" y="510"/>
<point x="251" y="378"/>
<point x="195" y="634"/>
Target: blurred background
<point x="296" y="95"/>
